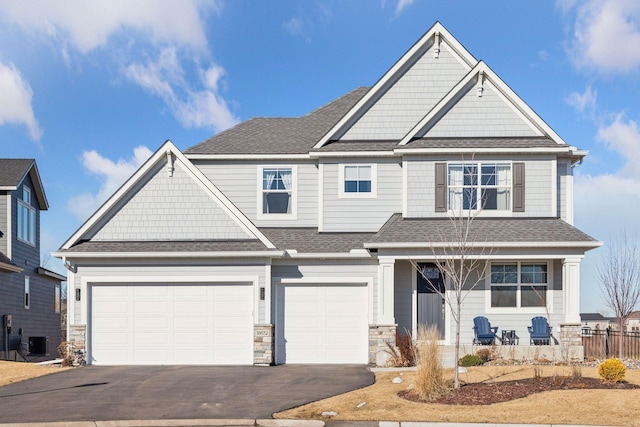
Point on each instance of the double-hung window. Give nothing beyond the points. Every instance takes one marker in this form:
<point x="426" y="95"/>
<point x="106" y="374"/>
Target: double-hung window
<point x="26" y="218"/>
<point x="479" y="186"/>
<point x="519" y="284"/>
<point x="357" y="180"/>
<point x="27" y="293"/>
<point x="277" y="191"/>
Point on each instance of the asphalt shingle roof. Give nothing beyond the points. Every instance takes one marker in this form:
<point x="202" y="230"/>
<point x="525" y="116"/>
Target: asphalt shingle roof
<point x="471" y="143"/>
<point x="279" y="135"/>
<point x="308" y="240"/>
<point x="168" y="246"/>
<point x="13" y="170"/>
<point x="494" y="230"/>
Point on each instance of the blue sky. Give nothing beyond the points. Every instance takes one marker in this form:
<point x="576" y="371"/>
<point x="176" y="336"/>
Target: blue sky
<point x="90" y="89"/>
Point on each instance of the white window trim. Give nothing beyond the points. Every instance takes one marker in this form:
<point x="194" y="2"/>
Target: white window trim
<point x="294" y="194"/>
<point x="374" y="182"/>
<point x="518" y="309"/>
<point x="27" y="293"/>
<point x="32" y="215"/>
<point x="482" y="212"/>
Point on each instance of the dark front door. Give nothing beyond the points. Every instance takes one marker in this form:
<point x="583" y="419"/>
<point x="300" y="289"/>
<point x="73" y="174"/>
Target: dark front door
<point x="431" y="305"/>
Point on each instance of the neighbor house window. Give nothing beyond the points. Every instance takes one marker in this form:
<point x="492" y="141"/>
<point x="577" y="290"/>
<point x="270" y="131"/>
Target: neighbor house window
<point x="519" y="284"/>
<point x="56" y="299"/>
<point x="357" y="180"/>
<point x="27" y="293"/>
<point x="479" y="186"/>
<point x="26" y="218"/>
<point x="277" y="191"/>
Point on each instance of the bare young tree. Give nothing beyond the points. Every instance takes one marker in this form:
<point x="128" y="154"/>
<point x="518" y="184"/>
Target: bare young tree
<point x="462" y="256"/>
<point x="619" y="276"/>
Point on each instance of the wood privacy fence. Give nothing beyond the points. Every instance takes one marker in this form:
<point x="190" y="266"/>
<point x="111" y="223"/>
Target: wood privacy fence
<point x="605" y="343"/>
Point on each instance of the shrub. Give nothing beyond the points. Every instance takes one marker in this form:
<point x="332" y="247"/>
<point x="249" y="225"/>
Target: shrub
<point x="401" y="355"/>
<point x="486" y="354"/>
<point x="612" y="370"/>
<point x="470" y="360"/>
<point x="429" y="379"/>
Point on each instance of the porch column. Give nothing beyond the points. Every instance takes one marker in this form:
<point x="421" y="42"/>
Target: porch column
<point x="386" y="272"/>
<point x="571" y="289"/>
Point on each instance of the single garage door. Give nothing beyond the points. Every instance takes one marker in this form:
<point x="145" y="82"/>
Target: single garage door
<point x="158" y="324"/>
<point x="322" y="323"/>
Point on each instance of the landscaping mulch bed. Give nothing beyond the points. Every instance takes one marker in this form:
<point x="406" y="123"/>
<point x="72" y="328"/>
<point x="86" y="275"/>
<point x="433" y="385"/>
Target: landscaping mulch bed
<point x="504" y="391"/>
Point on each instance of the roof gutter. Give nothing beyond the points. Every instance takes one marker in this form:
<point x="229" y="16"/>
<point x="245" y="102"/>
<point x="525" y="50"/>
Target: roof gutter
<point x="479" y="245"/>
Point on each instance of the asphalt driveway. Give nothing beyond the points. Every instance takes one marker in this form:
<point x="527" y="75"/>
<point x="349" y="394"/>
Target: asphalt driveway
<point x="174" y="392"/>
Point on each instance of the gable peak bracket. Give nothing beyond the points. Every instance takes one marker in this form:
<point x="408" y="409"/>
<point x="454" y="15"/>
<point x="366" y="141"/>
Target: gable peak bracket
<point x="169" y="163"/>
<point x="436" y="45"/>
<point x="480" y="87"/>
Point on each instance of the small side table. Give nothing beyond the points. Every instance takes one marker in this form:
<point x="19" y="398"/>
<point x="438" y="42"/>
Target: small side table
<point x="509" y="337"/>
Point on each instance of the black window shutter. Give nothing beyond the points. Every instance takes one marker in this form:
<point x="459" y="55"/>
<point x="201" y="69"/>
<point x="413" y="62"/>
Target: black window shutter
<point x="518" y="187"/>
<point x="441" y="187"/>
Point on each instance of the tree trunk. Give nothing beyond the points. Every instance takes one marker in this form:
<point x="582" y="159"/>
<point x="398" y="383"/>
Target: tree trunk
<point x="456" y="353"/>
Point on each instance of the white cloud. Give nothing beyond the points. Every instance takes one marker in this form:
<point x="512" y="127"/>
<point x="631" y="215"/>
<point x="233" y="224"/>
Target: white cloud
<point x="87" y="25"/>
<point x="15" y="102"/>
<point x="192" y="107"/>
<point x="402" y="5"/>
<point x="606" y="34"/>
<point x="111" y="174"/>
<point x="583" y="101"/>
<point x="295" y="26"/>
<point x="623" y="137"/>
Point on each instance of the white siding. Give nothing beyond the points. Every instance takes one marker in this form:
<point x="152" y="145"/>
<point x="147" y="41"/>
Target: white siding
<point x="565" y="183"/>
<point x="170" y="208"/>
<point x="240" y="182"/>
<point x="410" y="98"/>
<point x="487" y="116"/>
<point x="361" y="214"/>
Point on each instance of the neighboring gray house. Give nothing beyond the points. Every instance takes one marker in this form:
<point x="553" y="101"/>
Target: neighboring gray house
<point x="290" y="240"/>
<point x="29" y="294"/>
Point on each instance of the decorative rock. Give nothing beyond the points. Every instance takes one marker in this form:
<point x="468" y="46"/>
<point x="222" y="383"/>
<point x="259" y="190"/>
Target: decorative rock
<point x="462" y="370"/>
<point x="397" y="380"/>
<point x="360" y="405"/>
<point x="329" y="414"/>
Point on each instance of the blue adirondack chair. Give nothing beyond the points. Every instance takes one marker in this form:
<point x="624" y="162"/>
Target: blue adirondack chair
<point x="484" y="334"/>
<point x="540" y="331"/>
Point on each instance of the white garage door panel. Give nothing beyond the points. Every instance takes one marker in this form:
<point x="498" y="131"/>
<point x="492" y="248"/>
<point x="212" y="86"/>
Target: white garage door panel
<point x="323" y="323"/>
<point x="172" y="324"/>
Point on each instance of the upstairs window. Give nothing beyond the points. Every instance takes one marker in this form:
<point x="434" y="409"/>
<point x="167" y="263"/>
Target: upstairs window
<point x="26" y="218"/>
<point x="479" y="186"/>
<point x="277" y="191"/>
<point x="357" y="180"/>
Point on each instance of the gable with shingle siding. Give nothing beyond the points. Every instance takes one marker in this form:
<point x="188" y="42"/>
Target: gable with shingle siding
<point x="170" y="208"/>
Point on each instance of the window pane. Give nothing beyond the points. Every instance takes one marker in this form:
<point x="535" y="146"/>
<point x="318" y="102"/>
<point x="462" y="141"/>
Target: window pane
<point x="364" y="173"/>
<point x="364" y="187"/>
<point x="503" y="296"/>
<point x="504" y="273"/>
<point x="470" y="175"/>
<point x="351" y="173"/>
<point x="503" y="199"/>
<point x="469" y="200"/>
<point x="455" y="175"/>
<point x="503" y="175"/>
<point x="490" y="199"/>
<point x="533" y="296"/>
<point x="534" y="273"/>
<point x="488" y="175"/>
<point x="276" y="203"/>
<point x="351" y="186"/>
<point x="268" y="179"/>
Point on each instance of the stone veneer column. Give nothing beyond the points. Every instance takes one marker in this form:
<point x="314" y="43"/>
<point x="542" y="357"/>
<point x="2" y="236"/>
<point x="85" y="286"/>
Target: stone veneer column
<point x="77" y="344"/>
<point x="379" y="336"/>
<point x="263" y="344"/>
<point x="571" y="341"/>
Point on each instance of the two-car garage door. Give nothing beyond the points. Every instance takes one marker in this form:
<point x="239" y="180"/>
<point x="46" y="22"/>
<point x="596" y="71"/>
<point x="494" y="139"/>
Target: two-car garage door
<point x="157" y="324"/>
